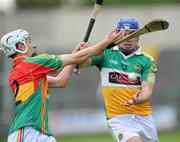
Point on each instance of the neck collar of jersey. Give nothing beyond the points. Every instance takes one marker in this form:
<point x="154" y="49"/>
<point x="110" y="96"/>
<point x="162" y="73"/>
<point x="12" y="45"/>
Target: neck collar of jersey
<point x="138" y="52"/>
<point x="18" y="60"/>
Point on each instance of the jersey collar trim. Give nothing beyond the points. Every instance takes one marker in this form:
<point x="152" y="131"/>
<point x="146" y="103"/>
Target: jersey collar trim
<point x="18" y="60"/>
<point x="138" y="52"/>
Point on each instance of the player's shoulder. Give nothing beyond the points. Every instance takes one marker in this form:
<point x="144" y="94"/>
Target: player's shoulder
<point x="147" y="56"/>
<point x="40" y="59"/>
<point x="41" y="56"/>
<point x="44" y="56"/>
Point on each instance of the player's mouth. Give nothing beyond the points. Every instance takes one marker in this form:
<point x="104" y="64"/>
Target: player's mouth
<point x="127" y="45"/>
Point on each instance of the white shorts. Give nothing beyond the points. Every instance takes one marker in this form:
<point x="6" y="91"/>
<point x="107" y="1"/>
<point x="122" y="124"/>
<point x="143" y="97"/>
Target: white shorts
<point x="29" y="134"/>
<point x="127" y="126"/>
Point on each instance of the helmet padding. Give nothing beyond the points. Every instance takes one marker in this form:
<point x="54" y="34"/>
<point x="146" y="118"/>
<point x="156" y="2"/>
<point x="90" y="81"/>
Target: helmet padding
<point x="127" y="23"/>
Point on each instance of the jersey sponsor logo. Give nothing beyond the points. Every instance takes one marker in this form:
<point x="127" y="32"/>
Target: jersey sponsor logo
<point x="121" y="78"/>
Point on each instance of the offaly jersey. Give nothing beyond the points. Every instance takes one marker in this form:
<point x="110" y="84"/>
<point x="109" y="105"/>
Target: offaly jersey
<point x="28" y="82"/>
<point x="116" y="85"/>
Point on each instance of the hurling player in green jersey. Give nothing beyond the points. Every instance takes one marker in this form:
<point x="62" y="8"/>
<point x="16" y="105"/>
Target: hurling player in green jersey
<point x="128" y="77"/>
<point x="29" y="82"/>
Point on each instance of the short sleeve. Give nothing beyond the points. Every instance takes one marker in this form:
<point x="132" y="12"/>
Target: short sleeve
<point x="46" y="63"/>
<point x="97" y="61"/>
<point x="149" y="72"/>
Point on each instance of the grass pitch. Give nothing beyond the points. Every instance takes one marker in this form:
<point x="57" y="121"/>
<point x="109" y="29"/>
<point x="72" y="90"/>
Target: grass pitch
<point x="163" y="137"/>
<point x="173" y="136"/>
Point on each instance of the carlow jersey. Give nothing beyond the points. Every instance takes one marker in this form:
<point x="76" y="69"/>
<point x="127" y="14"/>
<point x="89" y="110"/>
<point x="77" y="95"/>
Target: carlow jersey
<point x="28" y="82"/>
<point x="116" y="85"/>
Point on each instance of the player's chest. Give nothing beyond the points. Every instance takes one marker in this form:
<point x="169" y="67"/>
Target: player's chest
<point x="117" y="62"/>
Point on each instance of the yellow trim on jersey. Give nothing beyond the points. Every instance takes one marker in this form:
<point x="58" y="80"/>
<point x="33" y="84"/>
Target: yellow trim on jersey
<point x="25" y="92"/>
<point x="151" y="77"/>
<point x="44" y="95"/>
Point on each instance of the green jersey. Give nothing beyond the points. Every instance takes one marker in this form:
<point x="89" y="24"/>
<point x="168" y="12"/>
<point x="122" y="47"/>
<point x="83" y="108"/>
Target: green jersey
<point x="117" y="86"/>
<point x="29" y="84"/>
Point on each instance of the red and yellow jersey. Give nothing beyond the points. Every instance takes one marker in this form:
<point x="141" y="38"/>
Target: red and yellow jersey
<point x="28" y="82"/>
<point x="117" y="88"/>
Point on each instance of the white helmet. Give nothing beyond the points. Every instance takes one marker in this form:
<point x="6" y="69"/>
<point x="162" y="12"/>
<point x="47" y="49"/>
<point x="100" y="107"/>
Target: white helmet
<point x="9" y="41"/>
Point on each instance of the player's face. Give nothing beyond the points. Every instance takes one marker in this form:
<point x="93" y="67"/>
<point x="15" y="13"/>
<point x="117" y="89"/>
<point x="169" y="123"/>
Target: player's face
<point x="32" y="49"/>
<point x="130" y="45"/>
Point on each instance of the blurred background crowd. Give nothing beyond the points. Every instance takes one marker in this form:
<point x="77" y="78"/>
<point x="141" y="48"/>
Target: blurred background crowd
<point x="57" y="26"/>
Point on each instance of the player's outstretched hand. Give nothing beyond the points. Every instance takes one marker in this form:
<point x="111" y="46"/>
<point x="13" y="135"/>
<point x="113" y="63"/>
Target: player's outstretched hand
<point x="114" y="36"/>
<point x="80" y="46"/>
<point x="132" y="101"/>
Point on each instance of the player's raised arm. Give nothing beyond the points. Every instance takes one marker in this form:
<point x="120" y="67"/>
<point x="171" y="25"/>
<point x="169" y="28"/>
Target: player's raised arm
<point x="62" y="79"/>
<point x="96" y="49"/>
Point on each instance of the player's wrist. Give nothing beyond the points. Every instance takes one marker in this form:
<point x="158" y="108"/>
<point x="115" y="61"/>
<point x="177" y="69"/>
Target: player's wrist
<point x="137" y="98"/>
<point x="140" y="100"/>
<point x="105" y="42"/>
<point x="134" y="100"/>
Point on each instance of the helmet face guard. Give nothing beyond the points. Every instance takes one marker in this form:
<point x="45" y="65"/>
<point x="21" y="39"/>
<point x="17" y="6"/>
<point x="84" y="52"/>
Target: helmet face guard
<point x="131" y="24"/>
<point x="10" y="40"/>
